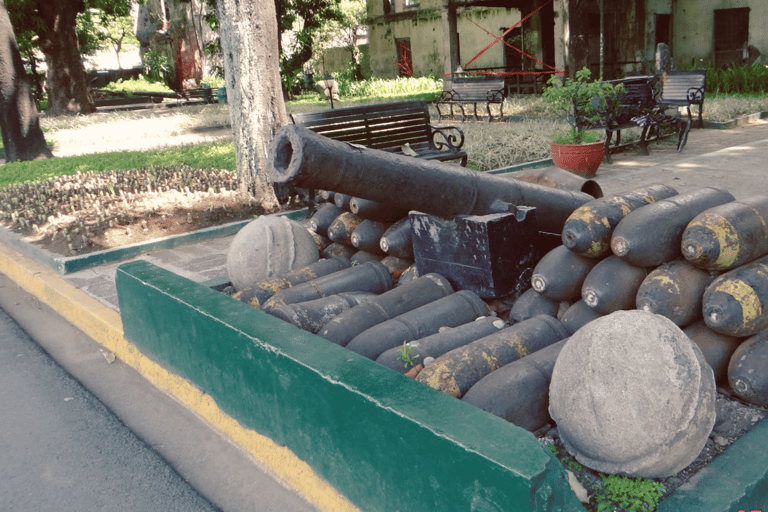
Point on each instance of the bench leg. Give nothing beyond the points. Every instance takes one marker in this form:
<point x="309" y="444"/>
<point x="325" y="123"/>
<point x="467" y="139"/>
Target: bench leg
<point x="474" y="109"/>
<point x="682" y="137"/>
<point x="488" y="108"/>
<point x="644" y="139"/>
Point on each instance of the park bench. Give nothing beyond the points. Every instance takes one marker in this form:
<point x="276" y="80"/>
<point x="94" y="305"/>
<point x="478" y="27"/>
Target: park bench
<point x="402" y="128"/>
<point x="636" y="105"/>
<point x="472" y="90"/>
<point x="683" y="89"/>
<point x="202" y="93"/>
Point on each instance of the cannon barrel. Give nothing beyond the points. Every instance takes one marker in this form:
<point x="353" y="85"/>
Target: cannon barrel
<point x="308" y="160"/>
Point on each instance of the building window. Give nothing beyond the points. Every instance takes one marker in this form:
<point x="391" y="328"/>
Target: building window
<point x="731" y="35"/>
<point x="404" y="57"/>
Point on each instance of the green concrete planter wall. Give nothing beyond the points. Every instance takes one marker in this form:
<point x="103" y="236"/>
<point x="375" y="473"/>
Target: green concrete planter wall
<point x="383" y="440"/>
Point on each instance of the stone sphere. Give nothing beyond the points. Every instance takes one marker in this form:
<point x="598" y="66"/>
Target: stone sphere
<point x="632" y="394"/>
<point x="269" y="246"/>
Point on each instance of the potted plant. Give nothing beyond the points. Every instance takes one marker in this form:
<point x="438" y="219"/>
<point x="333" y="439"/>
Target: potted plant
<point x="587" y="104"/>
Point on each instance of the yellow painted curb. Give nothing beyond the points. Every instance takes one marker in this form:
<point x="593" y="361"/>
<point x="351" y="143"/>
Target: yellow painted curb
<point x="105" y="326"/>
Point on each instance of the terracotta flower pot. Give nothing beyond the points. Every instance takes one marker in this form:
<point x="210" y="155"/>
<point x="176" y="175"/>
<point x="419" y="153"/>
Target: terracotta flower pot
<point x="581" y="159"/>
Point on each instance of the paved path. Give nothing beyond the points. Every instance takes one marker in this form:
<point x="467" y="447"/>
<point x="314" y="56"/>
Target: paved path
<point x="63" y="450"/>
<point x="120" y="444"/>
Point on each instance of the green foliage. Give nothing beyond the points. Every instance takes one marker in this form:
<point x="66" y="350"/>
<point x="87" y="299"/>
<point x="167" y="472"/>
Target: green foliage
<point x="568" y="461"/>
<point x="382" y="88"/>
<point x="572" y="136"/>
<point x="404" y="354"/>
<point x="630" y="495"/>
<point x="585" y="102"/>
<point x="212" y="156"/>
<point x="157" y="67"/>
<point x="736" y="79"/>
<point x="137" y="84"/>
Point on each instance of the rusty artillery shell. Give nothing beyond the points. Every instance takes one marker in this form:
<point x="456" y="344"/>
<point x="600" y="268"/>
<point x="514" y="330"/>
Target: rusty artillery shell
<point x="374" y="210"/>
<point x="266" y="288"/>
<point x="558" y="178"/>
<point x="396" y="241"/>
<point x="588" y="230"/>
<point x="367" y="235"/>
<point x="519" y="391"/>
<point x="327" y="195"/>
<point x="370" y="277"/>
<point x="363" y="256"/>
<point x="651" y="235"/>
<point x="343" y="226"/>
<point x="560" y="273"/>
<point x="674" y="290"/>
<point x="450" y="311"/>
<point x="717" y="348"/>
<point x="531" y="304"/>
<point x="748" y="370"/>
<point x="396" y="266"/>
<point x="736" y="303"/>
<point x="337" y="250"/>
<point x="458" y="370"/>
<point x="726" y="236"/>
<point x="612" y="285"/>
<point x="342" y="200"/>
<point x="321" y="242"/>
<point x="323" y="218"/>
<point x="408" y="275"/>
<point x="343" y="328"/>
<point x="577" y="316"/>
<point x="441" y="342"/>
<point x="312" y="315"/>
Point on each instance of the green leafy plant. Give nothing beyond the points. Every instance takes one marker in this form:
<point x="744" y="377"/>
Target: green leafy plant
<point x="585" y="102"/>
<point x="404" y="354"/>
<point x="630" y="495"/>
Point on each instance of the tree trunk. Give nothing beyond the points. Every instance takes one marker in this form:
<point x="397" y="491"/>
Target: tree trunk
<point x="22" y="137"/>
<point x="249" y="44"/>
<point x="68" y="91"/>
<point x="578" y="46"/>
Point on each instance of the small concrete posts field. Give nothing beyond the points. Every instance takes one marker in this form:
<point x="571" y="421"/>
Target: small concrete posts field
<point x="616" y="319"/>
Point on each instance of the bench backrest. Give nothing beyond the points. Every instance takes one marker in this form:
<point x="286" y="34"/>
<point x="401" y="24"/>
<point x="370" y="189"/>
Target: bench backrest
<point x="683" y="87"/>
<point x="477" y="88"/>
<point x="380" y="126"/>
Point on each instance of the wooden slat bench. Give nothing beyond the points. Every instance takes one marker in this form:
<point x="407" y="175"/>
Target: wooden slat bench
<point x="683" y="89"/>
<point x="395" y="127"/>
<point x="472" y="90"/>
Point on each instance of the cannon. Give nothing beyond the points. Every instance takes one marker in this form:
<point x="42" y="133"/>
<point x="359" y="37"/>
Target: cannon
<point x="308" y="160"/>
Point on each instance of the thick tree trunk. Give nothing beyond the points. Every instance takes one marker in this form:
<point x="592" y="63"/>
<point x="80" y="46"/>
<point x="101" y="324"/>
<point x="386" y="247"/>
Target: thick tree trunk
<point x="249" y="44"/>
<point x="22" y="137"/>
<point x="68" y="92"/>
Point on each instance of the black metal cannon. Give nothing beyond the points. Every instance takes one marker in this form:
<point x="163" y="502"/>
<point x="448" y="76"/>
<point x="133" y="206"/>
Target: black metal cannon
<point x="307" y="160"/>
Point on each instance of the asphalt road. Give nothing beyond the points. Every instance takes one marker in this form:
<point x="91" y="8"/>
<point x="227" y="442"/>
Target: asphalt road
<point x="63" y="450"/>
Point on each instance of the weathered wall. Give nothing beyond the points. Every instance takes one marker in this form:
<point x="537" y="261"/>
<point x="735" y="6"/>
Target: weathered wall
<point x="336" y="60"/>
<point x="424" y="28"/>
<point x="693" y="30"/>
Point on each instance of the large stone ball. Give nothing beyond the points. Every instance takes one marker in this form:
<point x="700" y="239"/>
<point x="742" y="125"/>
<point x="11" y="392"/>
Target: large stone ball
<point x="632" y="394"/>
<point x="266" y="247"/>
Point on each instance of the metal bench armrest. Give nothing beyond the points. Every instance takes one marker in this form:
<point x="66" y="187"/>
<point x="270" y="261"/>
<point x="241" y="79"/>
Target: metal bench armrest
<point x="696" y="95"/>
<point x="446" y="137"/>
